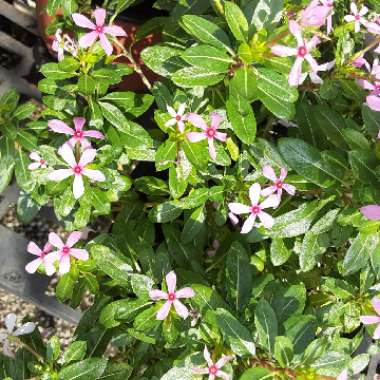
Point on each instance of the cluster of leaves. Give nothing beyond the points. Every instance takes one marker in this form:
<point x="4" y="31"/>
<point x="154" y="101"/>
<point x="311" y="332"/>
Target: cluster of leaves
<point x="286" y="301"/>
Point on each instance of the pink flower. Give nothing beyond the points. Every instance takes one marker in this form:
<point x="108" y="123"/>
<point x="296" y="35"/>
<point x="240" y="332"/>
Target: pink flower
<point x="372" y="319"/>
<point x="209" y="132"/>
<point x="171" y="297"/>
<point x="314" y="77"/>
<point x="256" y="209"/>
<point x="329" y="4"/>
<point x="278" y="183"/>
<point x="343" y="375"/>
<point x="43" y="258"/>
<point x="99" y="30"/>
<point x="77" y="169"/>
<point x="39" y="162"/>
<point x="233" y="218"/>
<point x="79" y="135"/>
<point x="302" y="52"/>
<point x="356" y="16"/>
<point x="65" y="251"/>
<point x="359" y="62"/>
<point x="179" y="117"/>
<point x="213" y="370"/>
<point x="62" y="44"/>
<point x="371" y="212"/>
<point x="314" y="14"/>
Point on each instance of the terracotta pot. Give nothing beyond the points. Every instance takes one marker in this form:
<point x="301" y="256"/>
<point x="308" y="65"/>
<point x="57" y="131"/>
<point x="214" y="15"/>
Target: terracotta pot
<point x="131" y="82"/>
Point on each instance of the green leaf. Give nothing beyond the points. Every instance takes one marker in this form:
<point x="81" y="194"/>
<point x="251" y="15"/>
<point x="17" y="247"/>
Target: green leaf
<point x="237" y="336"/>
<point x="27" y="140"/>
<point x="236" y="21"/>
<point x="363" y="165"/>
<point x="86" y="85"/>
<point x="238" y="276"/>
<point x="197" y="76"/>
<point x="371" y="120"/>
<point x="112" y="265"/>
<point x="206" y="31"/>
<point x="313" y="246"/>
<point x="308" y="162"/>
<point x="52" y="71"/>
<point x="76" y="351"/>
<point x="69" y="64"/>
<point x="52" y="6"/>
<point x="53" y="349"/>
<point x="266" y="325"/>
<point x="117" y="371"/>
<point x="152" y="186"/>
<point x="165" y="212"/>
<point x="23" y="174"/>
<point x="257" y="374"/>
<point x="166" y="155"/>
<point x="208" y="57"/>
<point x="88" y="369"/>
<point x="283" y="351"/>
<point x="7" y="165"/>
<point x="65" y="287"/>
<point x="244" y="82"/>
<point x="27" y="208"/>
<point x="193" y="225"/>
<point x="178" y="373"/>
<point x="197" y="153"/>
<point x="362" y="248"/>
<point x="300" y="329"/>
<point x="47" y="86"/>
<point x="24" y="111"/>
<point x="242" y="118"/>
<point x="265" y="14"/>
<point x="279" y="252"/>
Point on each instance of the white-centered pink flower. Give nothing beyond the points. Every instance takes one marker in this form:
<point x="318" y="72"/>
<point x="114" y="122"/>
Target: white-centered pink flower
<point x="77" y="169"/>
<point x="373" y="319"/>
<point x="210" y="132"/>
<point x="172" y="298"/>
<point x="39" y="162"/>
<point x="314" y="14"/>
<point x="314" y="77"/>
<point x="278" y="182"/>
<point x="98" y="30"/>
<point x="330" y="5"/>
<point x="357" y="17"/>
<point x="43" y="258"/>
<point x="11" y="331"/>
<point x="371" y="212"/>
<point x="255" y="209"/>
<point x="63" y="43"/>
<point x="178" y="117"/>
<point x="78" y="134"/>
<point x="213" y="370"/>
<point x="301" y="52"/>
<point x="65" y="251"/>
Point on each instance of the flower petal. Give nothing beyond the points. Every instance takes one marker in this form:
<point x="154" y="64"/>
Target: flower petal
<point x="376" y="305"/>
<point x="371" y="212"/>
<point x="283" y="174"/>
<point x="78" y="186"/>
<point x="164" y="311"/>
<point x="223" y="361"/>
<point x="373" y="102"/>
<point x="35" y="156"/>
<point x="79" y="123"/>
<point x="207" y="356"/>
<point x="266" y="220"/>
<point x="83" y="21"/>
<point x="156" y="295"/>
<point x="34" y="166"/>
<point x="283" y="51"/>
<point x="223" y="375"/>
<point x="239" y="208"/>
<point x="369" y="319"/>
<point x="59" y="126"/>
<point x="196" y="136"/>
<point x="248" y="224"/>
<point x="349" y="18"/>
<point x="181" y="309"/>
<point x="295" y="29"/>
<point x="200" y="371"/>
<point x="68" y="155"/>
<point x="55" y="240"/>
<point x="290" y="189"/>
<point x="216" y="119"/>
<point x="171" y="281"/>
<point x="64" y="264"/>
<point x="80" y="254"/>
<point x="73" y="238"/>
<point x="181" y="126"/>
<point x="312" y="62"/>
<point x="270" y="202"/>
<point x="254" y="193"/>
<point x="211" y="148"/>
<point x="27" y="328"/>
<point x="60" y="174"/>
<point x="95" y="175"/>
<point x="221" y="136"/>
<point x="87" y="157"/>
<point x="376" y="334"/>
<point x="106" y="44"/>
<point x="33" y="266"/>
<point x="100" y="16"/>
<point x="353" y="8"/>
<point x="33" y="249"/>
<point x="197" y="120"/>
<point x="181" y="109"/>
<point x="115" y="31"/>
<point x="363" y="11"/>
<point x="269" y="173"/>
<point x="94" y="134"/>
<point x="10" y="322"/>
<point x="269" y="191"/>
<point x="185" y="293"/>
<point x="295" y="72"/>
<point x="88" y="39"/>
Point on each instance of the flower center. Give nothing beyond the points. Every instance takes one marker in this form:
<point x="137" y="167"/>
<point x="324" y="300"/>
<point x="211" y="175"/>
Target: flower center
<point x="279" y="184"/>
<point x="357" y="17"/>
<point x="43" y="254"/>
<point x="255" y="210"/>
<point x="210" y="132"/>
<point x="78" y="134"/>
<point x="178" y="118"/>
<point x="302" y="51"/>
<point x="66" y="250"/>
<point x="42" y="162"/>
<point x="171" y="296"/>
<point x="77" y="169"/>
<point x="99" y="29"/>
<point x="213" y="370"/>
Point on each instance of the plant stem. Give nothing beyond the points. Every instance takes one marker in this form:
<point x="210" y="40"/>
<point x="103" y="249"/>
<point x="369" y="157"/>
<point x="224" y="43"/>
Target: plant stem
<point x="30" y="349"/>
<point x="136" y="66"/>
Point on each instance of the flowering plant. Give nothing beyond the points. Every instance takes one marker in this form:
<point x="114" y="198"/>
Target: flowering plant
<point x="247" y="174"/>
